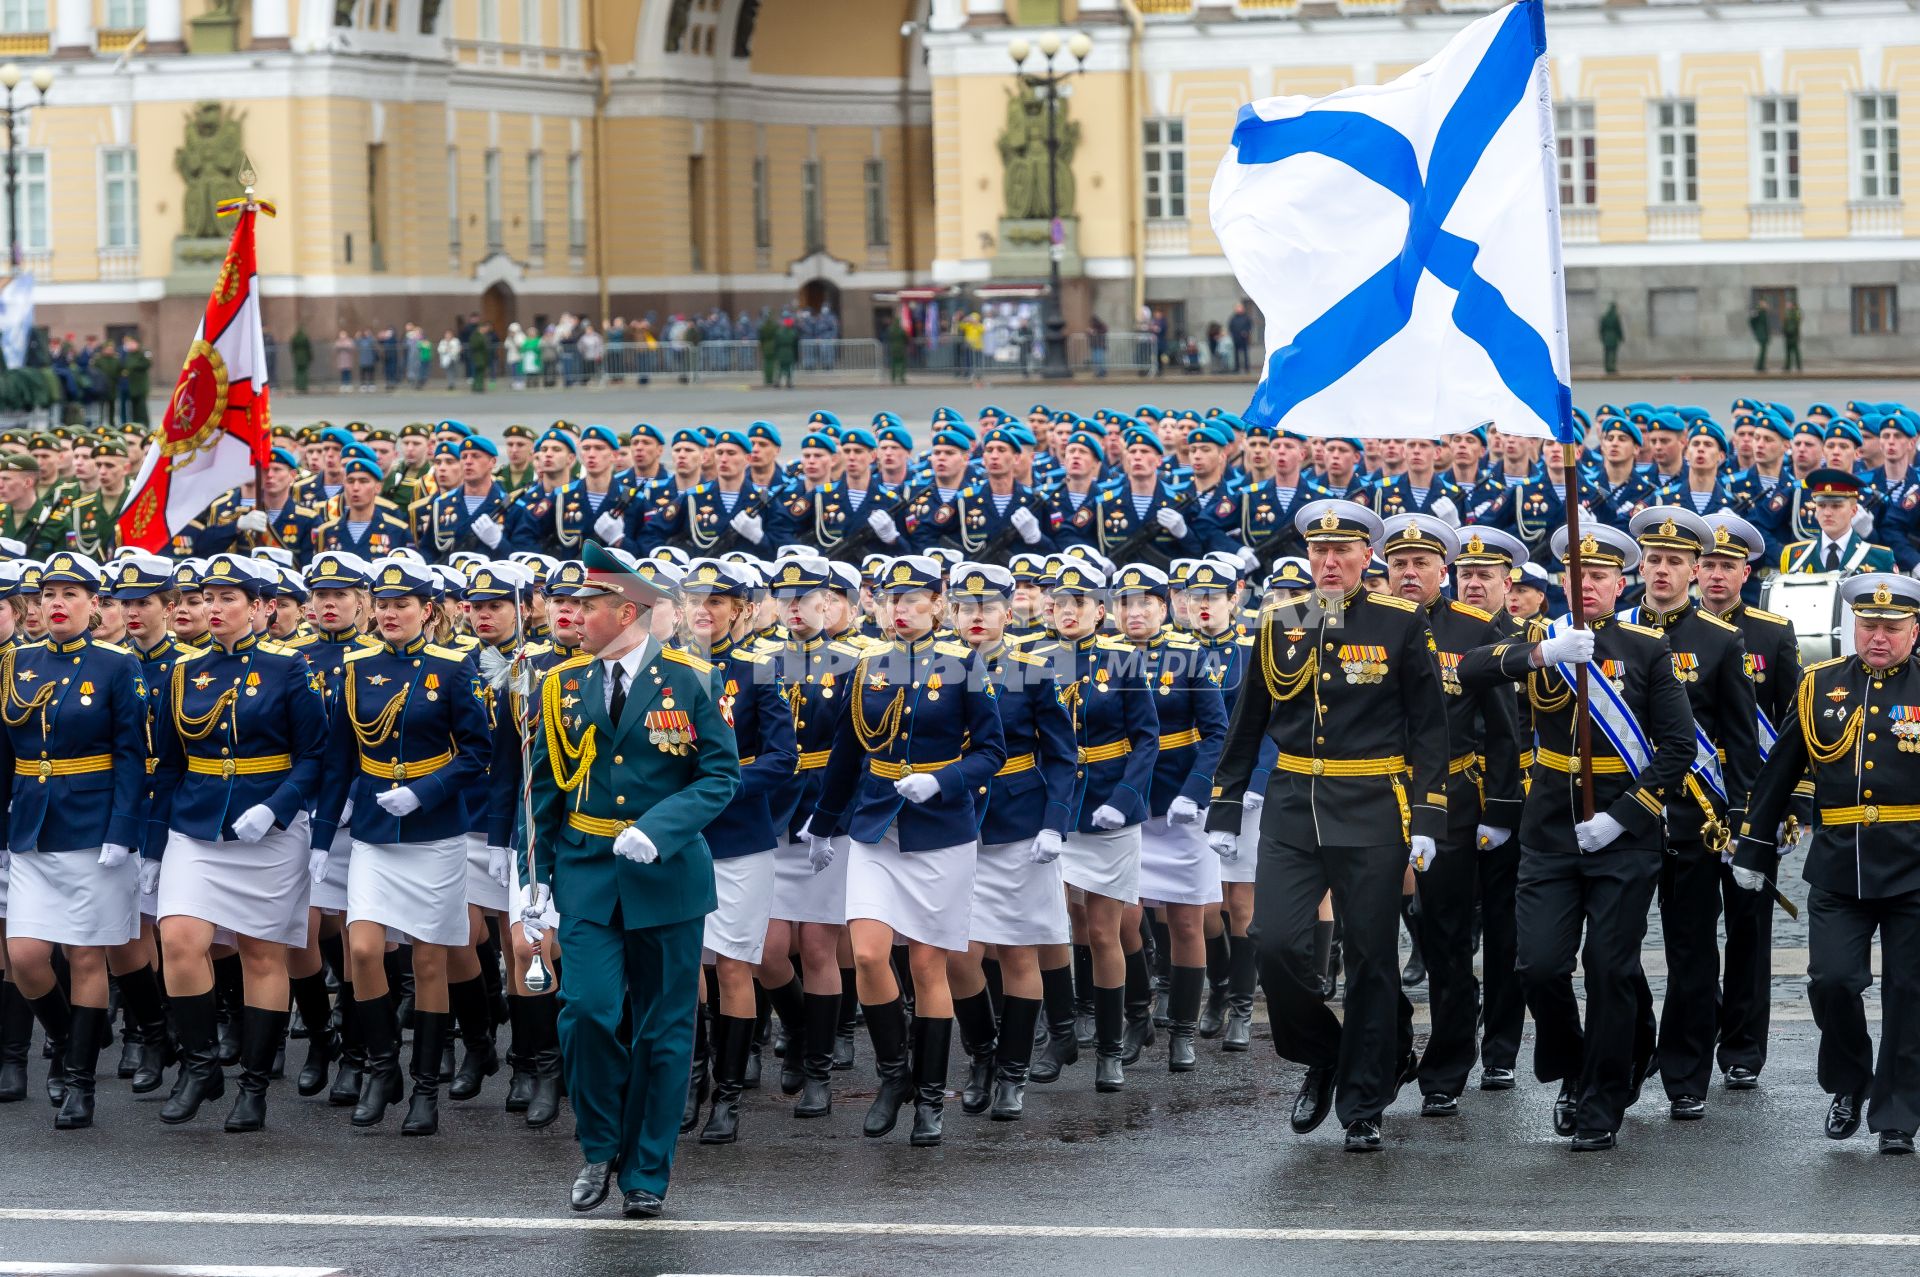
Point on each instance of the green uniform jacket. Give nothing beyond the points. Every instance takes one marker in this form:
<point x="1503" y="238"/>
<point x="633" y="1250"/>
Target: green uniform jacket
<point x="635" y="780"/>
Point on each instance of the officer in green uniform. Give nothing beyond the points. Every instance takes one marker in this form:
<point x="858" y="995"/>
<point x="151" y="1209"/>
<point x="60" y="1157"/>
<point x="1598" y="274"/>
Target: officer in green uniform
<point x="411" y="476"/>
<point x="634" y="759"/>
<point x="516" y="471"/>
<point x="90" y="518"/>
<point x="106" y="372"/>
<point x="137" y="364"/>
<point x="25" y="516"/>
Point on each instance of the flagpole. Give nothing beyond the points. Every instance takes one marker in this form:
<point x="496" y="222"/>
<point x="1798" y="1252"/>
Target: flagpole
<point x="1576" y="602"/>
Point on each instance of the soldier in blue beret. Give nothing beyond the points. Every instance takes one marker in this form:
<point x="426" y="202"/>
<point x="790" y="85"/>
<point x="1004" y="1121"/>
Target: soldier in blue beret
<point x="725" y="513"/>
<point x="473" y="515"/>
<point x="368" y="525"/>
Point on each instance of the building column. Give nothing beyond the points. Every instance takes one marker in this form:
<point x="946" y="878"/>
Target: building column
<point x="271" y="29"/>
<point x="163" y="27"/>
<point x="73" y="29"/>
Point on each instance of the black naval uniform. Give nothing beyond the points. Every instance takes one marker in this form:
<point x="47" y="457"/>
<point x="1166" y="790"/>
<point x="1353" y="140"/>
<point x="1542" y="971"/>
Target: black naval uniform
<point x="1503" y="1003"/>
<point x="1361" y="724"/>
<point x="1562" y="891"/>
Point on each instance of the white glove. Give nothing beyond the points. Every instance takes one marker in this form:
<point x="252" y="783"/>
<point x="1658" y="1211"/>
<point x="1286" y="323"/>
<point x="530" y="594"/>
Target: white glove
<point x="1862" y="523"/>
<point x="500" y="865"/>
<point x="1025" y="524"/>
<point x="1172" y="520"/>
<point x="1253" y="801"/>
<point x="820" y="852"/>
<point x="1046" y="848"/>
<point x="398" y="802"/>
<point x="1107" y="816"/>
<point x="252" y="824"/>
<point x="149" y="877"/>
<point x="1596" y="834"/>
<point x="610" y="528"/>
<point x="535" y="918"/>
<point x="748" y="526"/>
<point x="1224" y="845"/>
<point x="113" y="855"/>
<point x="1446" y="511"/>
<point x="631" y="844"/>
<point x="1183" y="811"/>
<point x="916" y="788"/>
<point x="1490" y="836"/>
<point x="254" y="521"/>
<point x="1573" y="647"/>
<point x="1248" y="559"/>
<point x="1750" y="879"/>
<point x="883" y="527"/>
<point x="1422" y="853"/>
<point x="487" y="529"/>
<point x="317" y="865"/>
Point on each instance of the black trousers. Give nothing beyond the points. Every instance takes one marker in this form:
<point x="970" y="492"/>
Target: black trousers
<point x="1690" y="928"/>
<point x="1746" y="1004"/>
<point x="1559" y="896"/>
<point x="1446" y="944"/>
<point x="1366" y="1053"/>
<point x="1505" y="1012"/>
<point x="1839" y="947"/>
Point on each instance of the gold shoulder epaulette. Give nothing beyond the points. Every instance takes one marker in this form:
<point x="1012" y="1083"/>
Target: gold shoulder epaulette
<point x="1027" y="658"/>
<point x="273" y="647"/>
<point x="1468" y="609"/>
<point x="1771" y="617"/>
<point x="1536" y="628"/>
<point x="687" y="659"/>
<point x="539" y="647"/>
<point x="384" y="501"/>
<point x="302" y="640"/>
<point x="753" y="656"/>
<point x="848" y="647"/>
<point x="1719" y="621"/>
<point x="952" y="649"/>
<point x="363" y="652"/>
<point x="1108" y="643"/>
<point x="1393" y="601"/>
<point x="571" y="663"/>
<point x="366" y="640"/>
<point x="1820" y="665"/>
<point x="113" y="647"/>
<point x="1245" y="640"/>
<point x="464" y="643"/>
<point x="446" y="653"/>
<point x="1647" y="630"/>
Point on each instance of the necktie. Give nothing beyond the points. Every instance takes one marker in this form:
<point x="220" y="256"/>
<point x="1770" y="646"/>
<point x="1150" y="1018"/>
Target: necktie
<point x="1833" y="558"/>
<point x="619" y="699"/>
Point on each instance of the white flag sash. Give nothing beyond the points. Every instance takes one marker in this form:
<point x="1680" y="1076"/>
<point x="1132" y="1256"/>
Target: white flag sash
<point x="1610" y="713"/>
<point x="1706" y="756"/>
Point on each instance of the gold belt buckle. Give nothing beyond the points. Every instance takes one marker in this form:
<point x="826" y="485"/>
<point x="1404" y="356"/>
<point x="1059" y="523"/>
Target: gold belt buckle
<point x="1319" y="766"/>
<point x="227" y="768"/>
<point x="1869" y="814"/>
<point x="400" y="771"/>
<point x="46" y="768"/>
<point x="906" y="770"/>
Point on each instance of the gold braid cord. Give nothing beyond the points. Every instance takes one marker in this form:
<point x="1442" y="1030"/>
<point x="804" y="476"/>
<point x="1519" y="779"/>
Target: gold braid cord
<point x="1825" y="751"/>
<point x="874" y="738"/>
<point x="1541" y="699"/>
<point x="1282" y="686"/>
<point x="12" y="700"/>
<point x="379" y="729"/>
<point x="561" y="751"/>
<point x="191" y="727"/>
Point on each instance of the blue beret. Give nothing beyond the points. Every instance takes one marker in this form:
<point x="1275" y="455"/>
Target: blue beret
<point x="286" y="458"/>
<point x="1089" y="440"/>
<point x="650" y="431"/>
<point x="765" y="430"/>
<point x="480" y="443"/>
<point x="1767" y="420"/>
<point x="1844" y="429"/>
<point x="1216" y="435"/>
<point x="734" y="437"/>
<point x="943" y="415"/>
<point x="551" y="435"/>
<point x="884" y="418"/>
<point x="860" y="435"/>
<point x="446" y="448"/>
<point x="336" y="434"/>
<point x="1708" y="428"/>
<point x="603" y="433"/>
<point x="689" y="435"/>
<point x="823" y="441"/>
<point x="460" y="428"/>
<point x="1625" y="427"/>
<point x="1001" y="434"/>
<point x="897" y="434"/>
<point x="363" y="465"/>
<point x="948" y="437"/>
<point x="1146" y="439"/>
<point x="819" y="417"/>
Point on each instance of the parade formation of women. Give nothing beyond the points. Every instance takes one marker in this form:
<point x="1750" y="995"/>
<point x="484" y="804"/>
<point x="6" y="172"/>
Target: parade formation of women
<point x="1008" y="766"/>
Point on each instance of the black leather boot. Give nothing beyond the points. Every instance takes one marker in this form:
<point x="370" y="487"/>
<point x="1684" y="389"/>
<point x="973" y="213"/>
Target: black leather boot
<point x="887" y="1026"/>
<point x="849" y="1013"/>
<point x="932" y="1042"/>
<point x="1415" y="972"/>
<point x="1013" y="1056"/>
<point x="1243" y="976"/>
<point x="89" y="1030"/>
<point x="399" y="965"/>
<point x="310" y="996"/>
<point x="978" y="1034"/>
<point x="1138" y="1008"/>
<point x="1084" y="1030"/>
<point x="345" y="1092"/>
<point x="1159" y="953"/>
<point x="261" y="1033"/>
<point x="196" y="1026"/>
<point x="146" y="1013"/>
<point x="789" y="1010"/>
<point x="16" y="1035"/>
<point x="431" y="1030"/>
<point x="762" y="1024"/>
<point x="1213" y="1016"/>
<point x="819" y="1032"/>
<point x="132" y="1043"/>
<point x="1062" y="1047"/>
<point x="473" y="1016"/>
<point x="1183" y="1010"/>
<point x="380" y="1080"/>
<point x="1110" y="1018"/>
<point x="229" y="993"/>
<point x="541" y="1015"/>
<point x="57" y="1019"/>
<point x="519" y="1055"/>
<point x="732" y="1039"/>
<point x="702" y="1069"/>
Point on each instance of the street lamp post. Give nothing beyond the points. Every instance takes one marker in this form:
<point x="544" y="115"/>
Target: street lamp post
<point x="42" y="80"/>
<point x="1048" y="83"/>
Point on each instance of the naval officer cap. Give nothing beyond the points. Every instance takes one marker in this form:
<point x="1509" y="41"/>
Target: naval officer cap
<point x="394" y="577"/>
<point x="1077" y="578"/>
<point x="1210" y="577"/>
<point x="714" y="578"/>
<point x="1418" y="532"/>
<point x="138" y="575"/>
<point x="12" y="573"/>
<point x="1140" y="578"/>
<point x="1601" y="545"/>
<point x="237" y="572"/>
<point x="844" y="577"/>
<point x="290" y="585"/>
<point x="1336" y="519"/>
<point x="981" y="581"/>
<point x="798" y="574"/>
<point x="1087" y="554"/>
<point x="339" y="570"/>
<point x="1881" y="596"/>
<point x="186" y="575"/>
<point x="1491" y="547"/>
<point x="490" y="582"/>
<point x="1734" y="537"/>
<point x="1028" y="568"/>
<point x="1671" y="527"/>
<point x="910" y="572"/>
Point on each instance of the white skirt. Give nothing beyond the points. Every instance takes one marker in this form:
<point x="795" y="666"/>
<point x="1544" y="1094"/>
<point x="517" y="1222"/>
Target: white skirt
<point x="1016" y="901"/>
<point x="737" y="927"/>
<point x="1104" y="863"/>
<point x="417" y="888"/>
<point x="482" y="890"/>
<point x="801" y="895"/>
<point x="1241" y="868"/>
<point x="258" y="889"/>
<point x="330" y="893"/>
<point x="65" y="897"/>
<point x="3" y="897"/>
<point x="1176" y="865"/>
<point x="924" y="895"/>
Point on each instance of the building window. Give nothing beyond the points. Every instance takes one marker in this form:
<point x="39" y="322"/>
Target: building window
<point x="1876" y="134"/>
<point x="813" y="233"/>
<point x="762" y="205"/>
<point x="23" y="15"/>
<point x="119" y="198"/>
<point x="536" y="204"/>
<point x="876" y="176"/>
<point x="1166" y="168"/>
<point x="1776" y="150"/>
<point x="697" y="211"/>
<point x="530" y="22"/>
<point x="569" y="24"/>
<point x="495" y="232"/>
<point x="31" y="210"/>
<point x="1876" y="310"/>
<point x="489" y="19"/>
<point x="576" y="204"/>
<point x="453" y="202"/>
<point x="1579" y="172"/>
<point x="1676" y="154"/>
<point x="126" y="15"/>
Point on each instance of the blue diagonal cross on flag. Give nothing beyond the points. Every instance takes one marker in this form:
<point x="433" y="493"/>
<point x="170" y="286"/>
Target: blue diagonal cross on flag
<point x="1402" y="242"/>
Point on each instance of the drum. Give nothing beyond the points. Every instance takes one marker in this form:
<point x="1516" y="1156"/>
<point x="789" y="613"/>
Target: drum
<point x="1811" y="603"/>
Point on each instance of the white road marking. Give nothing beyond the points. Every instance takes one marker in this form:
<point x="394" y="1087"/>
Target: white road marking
<point x="25" y="1269"/>
<point x="873" y="1228"/>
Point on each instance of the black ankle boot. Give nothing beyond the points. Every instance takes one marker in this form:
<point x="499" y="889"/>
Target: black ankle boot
<point x="932" y="1042"/>
<point x="732" y="1039"/>
<point x="1138" y="1009"/>
<point x="431" y="1031"/>
<point x="543" y="1033"/>
<point x="310" y="997"/>
<point x="702" y="1069"/>
<point x="89" y="1030"/>
<point x="887" y="1026"/>
<point x="819" y="1032"/>
<point x="849" y="1015"/>
<point x="16" y="1035"/>
<point x="380" y="1080"/>
<point x="789" y="1011"/>
<point x="1012" y="1057"/>
<point x="230" y="1001"/>
<point x="1243" y="976"/>
<point x="474" y="1018"/>
<point x="154" y="1051"/>
<point x="345" y="1092"/>
<point x="1183" y="1010"/>
<point x="1062" y="1047"/>
<point x="978" y="1036"/>
<point x="196" y="1025"/>
<point x="261" y="1033"/>
<point x="1110" y="1019"/>
<point x="57" y="1019"/>
<point x="1213" y="1016"/>
<point x="762" y="1025"/>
